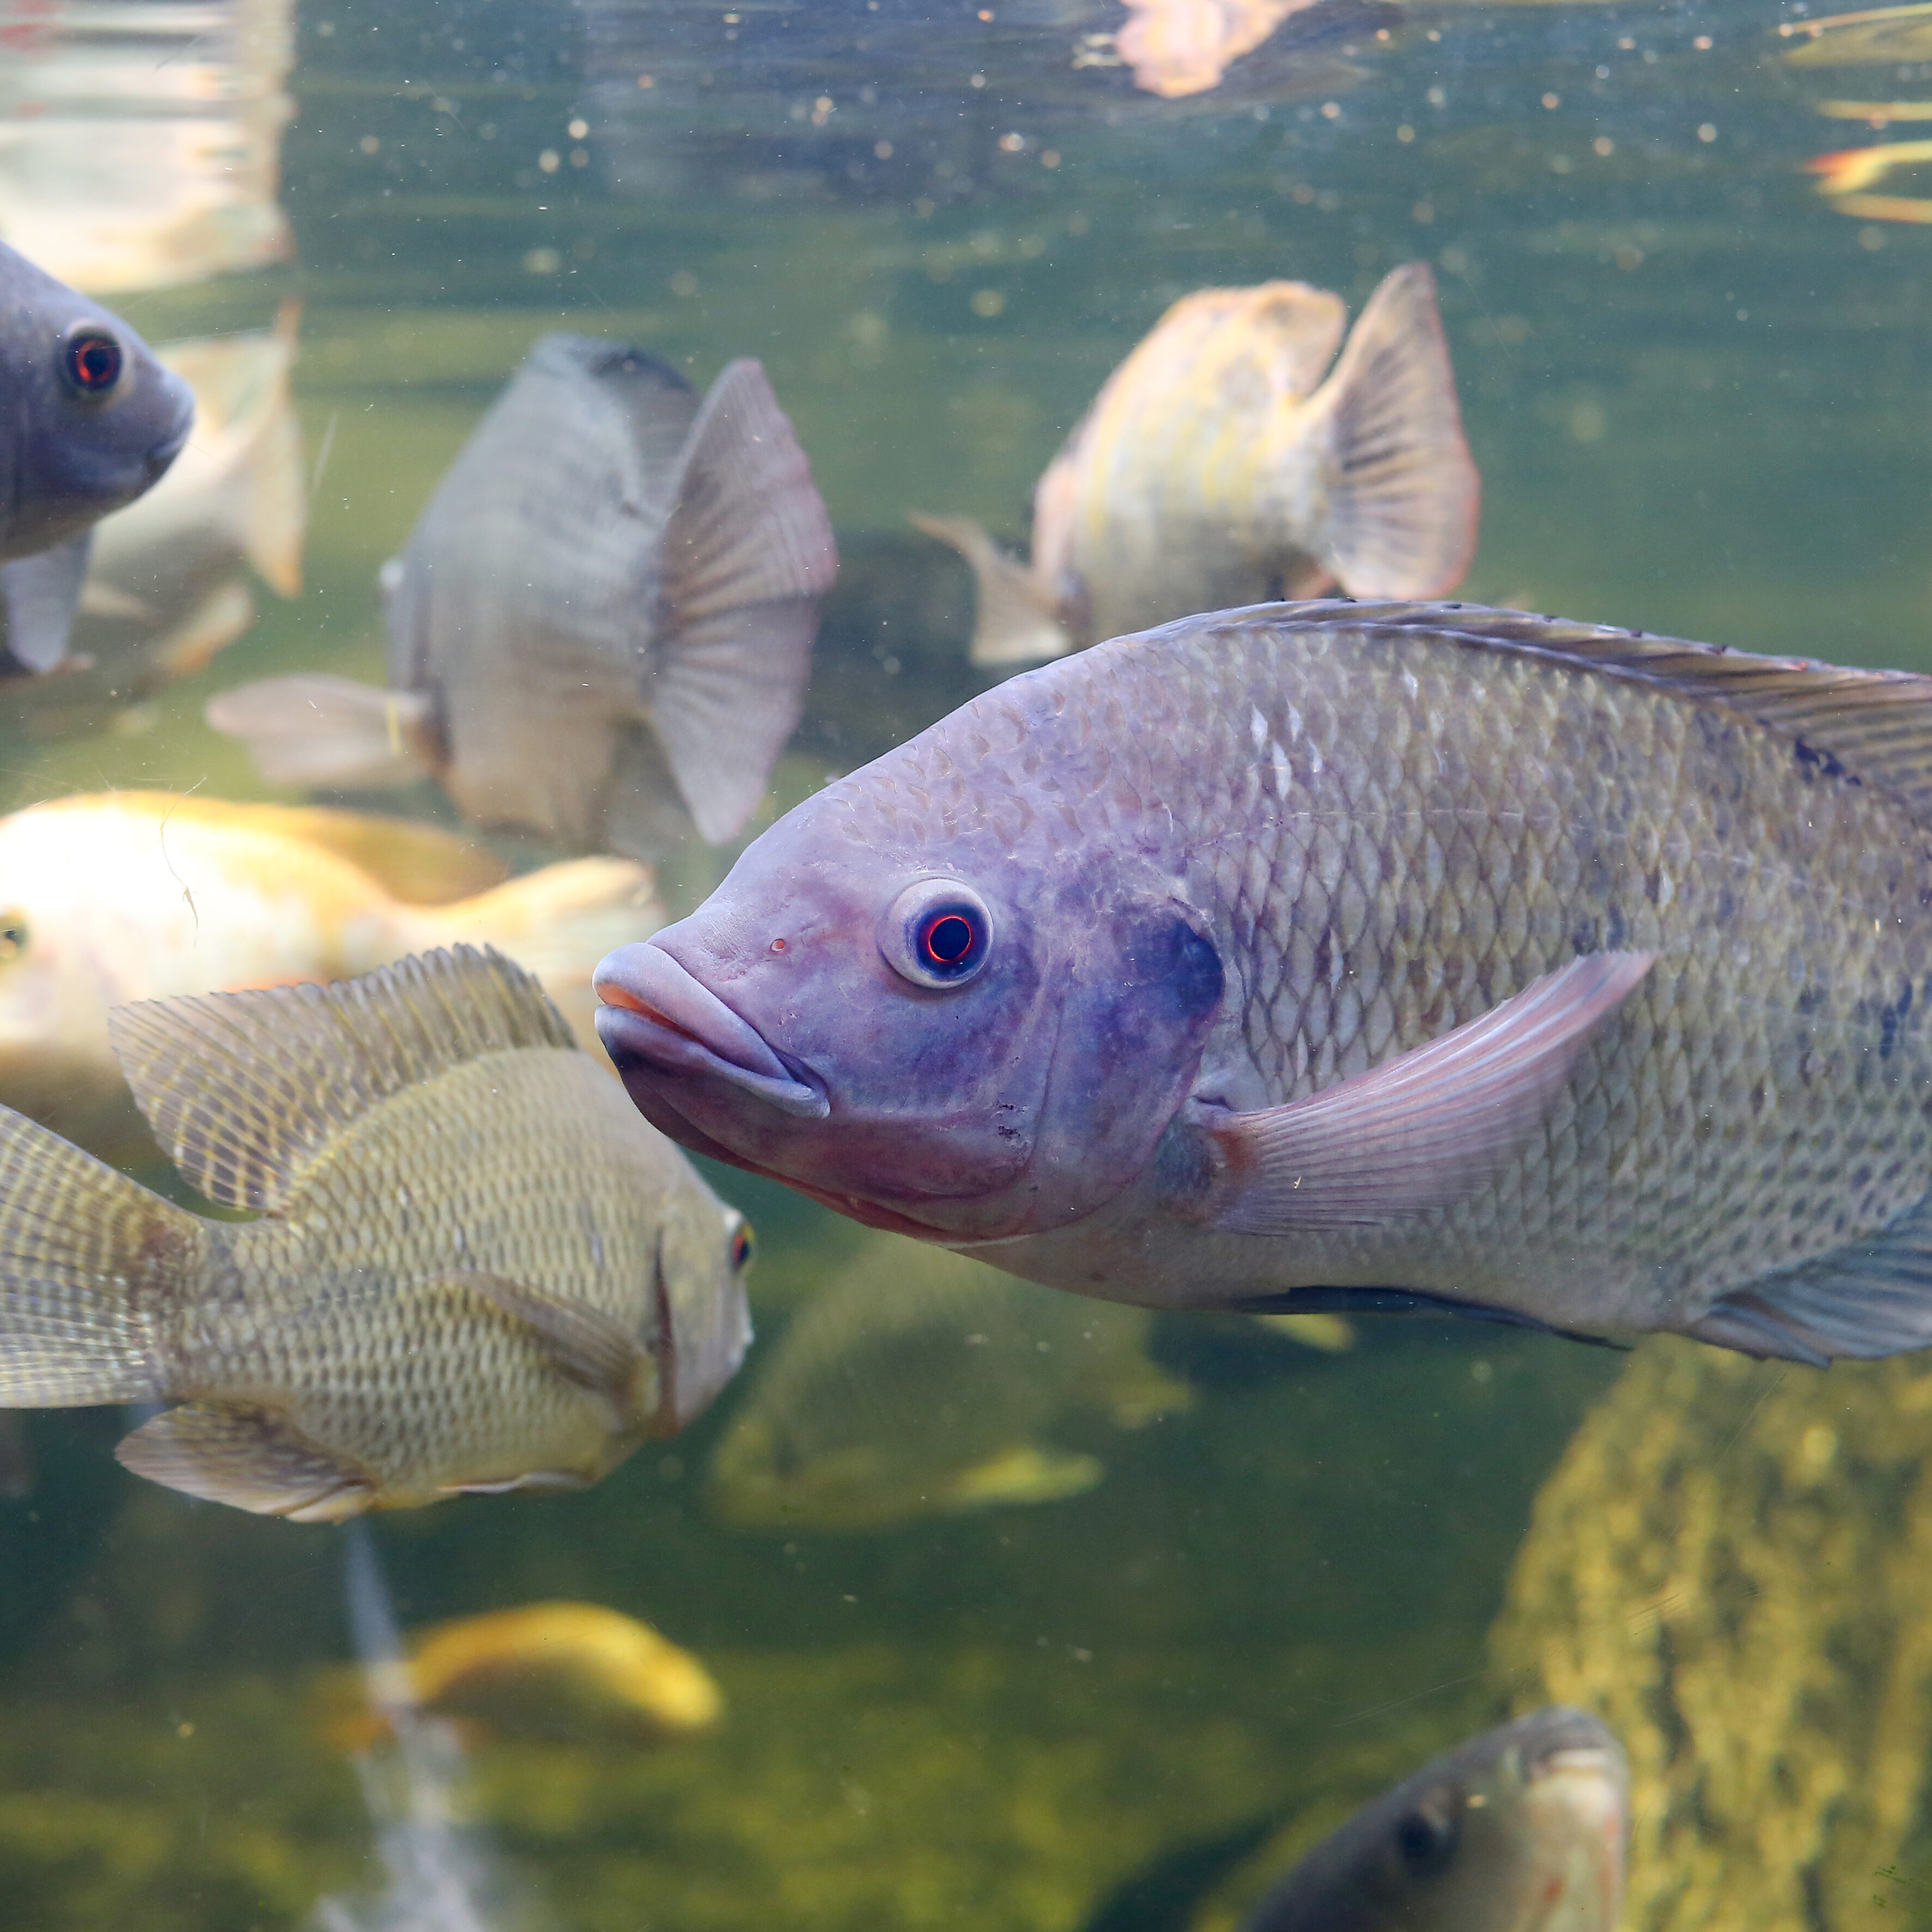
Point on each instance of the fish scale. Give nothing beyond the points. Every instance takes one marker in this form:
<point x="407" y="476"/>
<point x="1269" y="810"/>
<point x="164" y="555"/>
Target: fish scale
<point x="1658" y="912"/>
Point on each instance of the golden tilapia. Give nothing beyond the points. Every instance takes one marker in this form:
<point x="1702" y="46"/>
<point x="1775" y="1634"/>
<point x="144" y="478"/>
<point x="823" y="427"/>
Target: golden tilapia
<point x="473" y="1268"/>
<point x="540" y="1670"/>
<point x="113" y="896"/>
<point x="1216" y="467"/>
<point x="924" y="1384"/>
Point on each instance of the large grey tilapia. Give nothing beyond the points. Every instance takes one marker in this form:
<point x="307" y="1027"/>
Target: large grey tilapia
<point x="1336" y="954"/>
<point x="472" y="1270"/>
<point x="600" y="628"/>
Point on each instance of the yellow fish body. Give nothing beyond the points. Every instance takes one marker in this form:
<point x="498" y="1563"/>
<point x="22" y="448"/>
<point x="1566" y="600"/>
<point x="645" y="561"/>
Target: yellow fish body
<point x="1217" y="468"/>
<point x="475" y="1268"/>
<point x="566" y="1670"/>
<point x="112" y="897"/>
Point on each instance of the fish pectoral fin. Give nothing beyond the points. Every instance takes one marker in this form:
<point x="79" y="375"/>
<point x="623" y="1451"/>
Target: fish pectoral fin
<point x="1028" y="1474"/>
<point x="250" y="1458"/>
<point x="1014" y="620"/>
<point x="747" y="553"/>
<point x="1871" y="1297"/>
<point x="243" y="1090"/>
<point x="1330" y="1334"/>
<point x="551" y="1479"/>
<point x="314" y="728"/>
<point x="40" y="595"/>
<point x="1424" y="1130"/>
<point x="587" y="1346"/>
<point x="1403" y="491"/>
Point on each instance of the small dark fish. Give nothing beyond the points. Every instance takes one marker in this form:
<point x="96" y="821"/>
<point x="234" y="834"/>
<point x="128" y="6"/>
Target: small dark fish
<point x="1333" y="956"/>
<point x="89" y="418"/>
<point x="600" y="629"/>
<point x="473" y="1269"/>
<point x="1523" y="1829"/>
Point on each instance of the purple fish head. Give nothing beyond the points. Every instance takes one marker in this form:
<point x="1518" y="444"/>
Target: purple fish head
<point x="926" y="1023"/>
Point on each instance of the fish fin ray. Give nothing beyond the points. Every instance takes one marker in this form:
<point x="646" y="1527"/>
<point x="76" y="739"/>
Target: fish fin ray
<point x="1014" y="621"/>
<point x="314" y="728"/>
<point x="644" y="813"/>
<point x="747" y="554"/>
<point x="1871" y="1297"/>
<point x="243" y="1089"/>
<point x="249" y="1458"/>
<point x="1424" y="1130"/>
<point x="40" y="595"/>
<point x="77" y="1238"/>
<point x="1403" y="491"/>
<point x="588" y="1347"/>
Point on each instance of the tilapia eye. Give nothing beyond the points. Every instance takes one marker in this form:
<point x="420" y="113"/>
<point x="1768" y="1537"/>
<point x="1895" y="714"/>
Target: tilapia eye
<point x="937" y="933"/>
<point x="744" y="1246"/>
<point x="92" y="362"/>
<point x="1426" y="1837"/>
<point x="12" y="936"/>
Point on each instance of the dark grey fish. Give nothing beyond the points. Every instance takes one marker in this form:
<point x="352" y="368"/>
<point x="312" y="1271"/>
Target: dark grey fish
<point x="601" y="626"/>
<point x="88" y="420"/>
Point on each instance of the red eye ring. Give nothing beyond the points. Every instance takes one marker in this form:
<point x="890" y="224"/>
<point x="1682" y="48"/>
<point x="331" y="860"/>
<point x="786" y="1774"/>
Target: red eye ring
<point x="938" y="933"/>
<point x="92" y="362"/>
<point x="946" y="938"/>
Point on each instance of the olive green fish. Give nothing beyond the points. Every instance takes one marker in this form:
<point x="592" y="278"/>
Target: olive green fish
<point x="474" y="1268"/>
<point x="923" y="1384"/>
<point x="1338" y="955"/>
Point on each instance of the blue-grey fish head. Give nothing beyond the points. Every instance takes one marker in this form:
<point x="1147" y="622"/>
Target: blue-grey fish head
<point x="91" y="417"/>
<point x="907" y="996"/>
<point x="1523" y="1829"/>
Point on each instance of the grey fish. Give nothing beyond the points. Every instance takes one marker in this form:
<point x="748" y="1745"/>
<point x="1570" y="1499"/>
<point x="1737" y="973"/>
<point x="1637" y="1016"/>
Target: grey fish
<point x="600" y="629"/>
<point x="88" y="420"/>
<point x="1341" y="955"/>
<point x="923" y="1384"/>
<point x="472" y="1270"/>
<point x="1523" y="1829"/>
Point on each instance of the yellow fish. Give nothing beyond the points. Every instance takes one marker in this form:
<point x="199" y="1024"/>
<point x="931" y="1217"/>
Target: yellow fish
<point x="474" y="1268"/>
<point x="1217" y="468"/>
<point x="112" y="897"/>
<point x="1178" y="47"/>
<point x="574" y="1671"/>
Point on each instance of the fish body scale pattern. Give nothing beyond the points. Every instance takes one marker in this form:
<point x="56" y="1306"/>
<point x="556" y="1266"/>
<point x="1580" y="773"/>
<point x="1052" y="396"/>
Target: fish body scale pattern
<point x="427" y="1386"/>
<point x="1390" y="834"/>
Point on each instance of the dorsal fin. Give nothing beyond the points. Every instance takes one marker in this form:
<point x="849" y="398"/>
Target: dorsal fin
<point x="243" y="1089"/>
<point x="1870" y="726"/>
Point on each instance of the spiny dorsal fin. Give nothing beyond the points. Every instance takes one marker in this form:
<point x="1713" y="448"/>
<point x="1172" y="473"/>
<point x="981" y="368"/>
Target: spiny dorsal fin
<point x="243" y="1089"/>
<point x="1870" y="727"/>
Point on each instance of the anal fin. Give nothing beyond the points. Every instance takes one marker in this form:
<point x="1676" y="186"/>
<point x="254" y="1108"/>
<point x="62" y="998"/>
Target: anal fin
<point x="1424" y="1130"/>
<point x="313" y="728"/>
<point x="1014" y="621"/>
<point x="39" y="595"/>
<point x="249" y="1458"/>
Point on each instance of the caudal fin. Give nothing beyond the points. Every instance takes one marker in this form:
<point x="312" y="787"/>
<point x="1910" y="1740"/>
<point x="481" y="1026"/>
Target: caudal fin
<point x="1403" y="491"/>
<point x="90" y="1265"/>
<point x="1013" y="620"/>
<point x="556" y="923"/>
<point x="317" y="729"/>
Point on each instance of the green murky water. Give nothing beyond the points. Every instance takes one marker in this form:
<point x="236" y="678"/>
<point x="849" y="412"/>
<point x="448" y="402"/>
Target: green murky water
<point x="1699" y="396"/>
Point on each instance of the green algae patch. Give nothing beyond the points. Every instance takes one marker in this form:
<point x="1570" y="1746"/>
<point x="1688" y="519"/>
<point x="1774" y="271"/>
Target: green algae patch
<point x="1730" y="1565"/>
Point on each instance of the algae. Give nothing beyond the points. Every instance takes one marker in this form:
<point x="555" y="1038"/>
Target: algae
<point x="1729" y="1565"/>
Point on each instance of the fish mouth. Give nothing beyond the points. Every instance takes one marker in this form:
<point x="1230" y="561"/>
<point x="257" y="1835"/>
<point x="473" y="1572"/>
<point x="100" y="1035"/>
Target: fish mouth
<point x="1572" y="1741"/>
<point x="655" y="1013"/>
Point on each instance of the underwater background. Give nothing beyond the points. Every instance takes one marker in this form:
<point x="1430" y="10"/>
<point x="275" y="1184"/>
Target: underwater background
<point x="1697" y="388"/>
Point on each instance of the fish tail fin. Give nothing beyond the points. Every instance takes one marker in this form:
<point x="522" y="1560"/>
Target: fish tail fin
<point x="315" y="729"/>
<point x="1403" y="491"/>
<point x="748" y="554"/>
<point x="1014" y="621"/>
<point x="555" y="923"/>
<point x="91" y="1263"/>
<point x="277" y="505"/>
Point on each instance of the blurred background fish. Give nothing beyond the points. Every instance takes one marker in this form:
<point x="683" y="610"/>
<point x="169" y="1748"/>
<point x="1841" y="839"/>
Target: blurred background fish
<point x="167" y="582"/>
<point x="1178" y="47"/>
<point x="1217" y="468"/>
<point x="89" y="421"/>
<point x="112" y="897"/>
<point x="573" y="1672"/>
<point x="600" y="628"/>
<point x="140" y="146"/>
<point x="923" y="1384"/>
<point x="475" y="1270"/>
<point x="440" y="1873"/>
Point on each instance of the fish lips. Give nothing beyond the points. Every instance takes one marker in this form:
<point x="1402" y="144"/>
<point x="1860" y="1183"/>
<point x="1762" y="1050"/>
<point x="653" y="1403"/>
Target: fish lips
<point x="657" y="1019"/>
